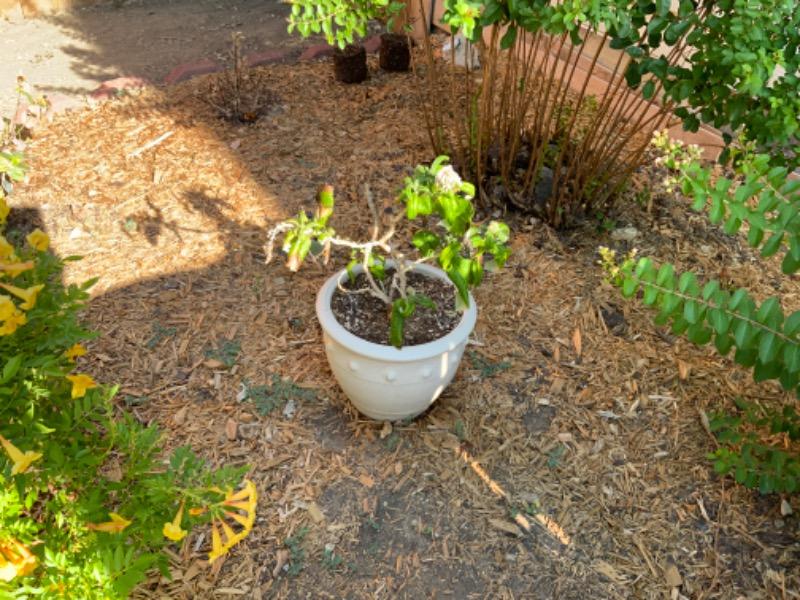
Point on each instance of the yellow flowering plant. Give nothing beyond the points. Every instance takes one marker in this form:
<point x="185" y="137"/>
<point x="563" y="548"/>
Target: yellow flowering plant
<point x="87" y="501"/>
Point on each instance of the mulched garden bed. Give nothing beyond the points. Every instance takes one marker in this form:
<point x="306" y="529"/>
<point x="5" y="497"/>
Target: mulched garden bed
<point x="572" y="412"/>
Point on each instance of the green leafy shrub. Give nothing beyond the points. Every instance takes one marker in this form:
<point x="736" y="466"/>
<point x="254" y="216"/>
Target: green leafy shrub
<point x="761" y="195"/>
<point x="462" y="248"/>
<point x="520" y="131"/>
<point x="753" y="463"/>
<point x="760" y="335"/>
<point x="87" y="500"/>
<point x="340" y="21"/>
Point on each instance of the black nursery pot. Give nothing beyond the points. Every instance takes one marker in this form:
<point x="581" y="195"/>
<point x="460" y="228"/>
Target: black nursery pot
<point x="350" y="64"/>
<point x="395" y="52"/>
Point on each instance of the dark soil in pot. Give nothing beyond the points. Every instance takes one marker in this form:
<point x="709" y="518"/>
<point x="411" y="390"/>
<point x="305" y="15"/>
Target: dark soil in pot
<point x="395" y="52"/>
<point x="350" y="64"/>
<point x="367" y="317"/>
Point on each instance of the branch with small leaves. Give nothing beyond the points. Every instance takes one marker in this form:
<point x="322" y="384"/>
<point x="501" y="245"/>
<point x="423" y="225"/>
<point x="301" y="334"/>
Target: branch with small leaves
<point x="759" y="336"/>
<point x="462" y="248"/>
<point x="340" y="21"/>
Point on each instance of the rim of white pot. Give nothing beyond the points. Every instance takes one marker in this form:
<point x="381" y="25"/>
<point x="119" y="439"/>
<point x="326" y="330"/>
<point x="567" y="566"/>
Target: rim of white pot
<point x="380" y="351"/>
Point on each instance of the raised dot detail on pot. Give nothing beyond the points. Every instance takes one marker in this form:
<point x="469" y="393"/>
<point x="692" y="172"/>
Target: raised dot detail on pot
<point x="426" y="372"/>
<point x="391" y="375"/>
<point x="354" y="366"/>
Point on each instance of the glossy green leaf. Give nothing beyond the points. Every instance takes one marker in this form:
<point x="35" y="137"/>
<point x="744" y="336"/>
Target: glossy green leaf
<point x="791" y="357"/>
<point x="768" y="346"/>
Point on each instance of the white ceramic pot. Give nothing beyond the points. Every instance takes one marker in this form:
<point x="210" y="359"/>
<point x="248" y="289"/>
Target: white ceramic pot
<point x="384" y="382"/>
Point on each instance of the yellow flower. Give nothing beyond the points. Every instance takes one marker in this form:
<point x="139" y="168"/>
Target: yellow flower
<point x="4" y="209"/>
<point x="81" y="383"/>
<point x="172" y="530"/>
<point x="6" y="249"/>
<point x="7" y="307"/>
<point x="246" y="500"/>
<point x="22" y="460"/>
<point x="12" y="322"/>
<point x="216" y="544"/>
<point x="15" y="268"/>
<point x="28" y="295"/>
<point x="39" y="240"/>
<point x="75" y="351"/>
<point x="15" y="560"/>
<point x="117" y="524"/>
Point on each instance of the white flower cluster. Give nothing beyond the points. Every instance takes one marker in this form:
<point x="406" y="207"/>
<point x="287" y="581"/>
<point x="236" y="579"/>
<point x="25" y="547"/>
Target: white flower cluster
<point x="676" y="156"/>
<point x="448" y="180"/>
<point x="676" y="153"/>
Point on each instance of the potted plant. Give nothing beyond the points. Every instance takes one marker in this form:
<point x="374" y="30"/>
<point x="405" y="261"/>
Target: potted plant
<point x="395" y="52"/>
<point x="341" y="22"/>
<point x="350" y="63"/>
<point x="394" y="327"/>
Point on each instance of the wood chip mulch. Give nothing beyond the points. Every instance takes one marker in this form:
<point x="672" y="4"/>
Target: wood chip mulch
<point x="567" y="459"/>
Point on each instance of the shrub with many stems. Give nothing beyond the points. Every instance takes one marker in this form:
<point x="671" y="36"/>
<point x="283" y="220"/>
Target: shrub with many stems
<point x="759" y="335"/>
<point x="529" y="119"/>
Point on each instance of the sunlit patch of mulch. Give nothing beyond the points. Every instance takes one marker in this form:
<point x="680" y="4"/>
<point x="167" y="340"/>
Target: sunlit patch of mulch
<point x="572" y="414"/>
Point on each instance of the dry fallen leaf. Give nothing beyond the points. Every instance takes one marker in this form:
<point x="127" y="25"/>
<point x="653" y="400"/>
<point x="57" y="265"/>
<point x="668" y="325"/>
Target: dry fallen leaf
<point x="577" y="342"/>
<point x="786" y="508"/>
<point x="192" y="572"/>
<point x="366" y="480"/>
<point x="672" y="576"/>
<point x="315" y="512"/>
<point x="505" y="526"/>
<point x="609" y="571"/>
<point x="557" y="386"/>
<point x="281" y="558"/>
<point x="213" y="363"/>
<point x="180" y="416"/>
<point x="683" y="370"/>
<point x="231" y="428"/>
<point x="386" y="430"/>
<point x="704" y="421"/>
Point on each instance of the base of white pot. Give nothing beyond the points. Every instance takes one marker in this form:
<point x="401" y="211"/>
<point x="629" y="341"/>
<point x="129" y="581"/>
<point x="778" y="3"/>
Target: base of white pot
<point x="383" y="382"/>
